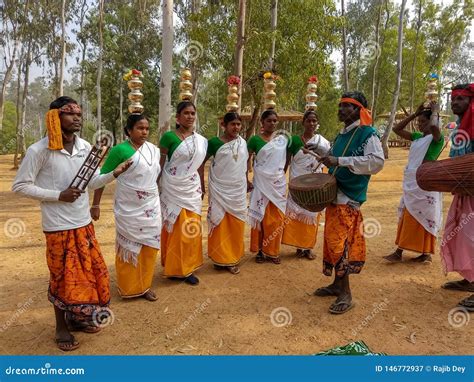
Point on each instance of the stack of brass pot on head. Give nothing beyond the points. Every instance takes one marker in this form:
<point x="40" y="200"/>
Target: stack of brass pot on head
<point x="269" y="86"/>
<point x="185" y="85"/>
<point x="311" y="96"/>
<point x="135" y="96"/>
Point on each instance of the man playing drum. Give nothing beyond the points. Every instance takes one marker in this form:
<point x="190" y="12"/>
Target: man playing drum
<point x="356" y="155"/>
<point x="457" y="246"/>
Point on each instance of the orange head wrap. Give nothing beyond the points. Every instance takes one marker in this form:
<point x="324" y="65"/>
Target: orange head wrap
<point x="365" y="114"/>
<point x="53" y="125"/>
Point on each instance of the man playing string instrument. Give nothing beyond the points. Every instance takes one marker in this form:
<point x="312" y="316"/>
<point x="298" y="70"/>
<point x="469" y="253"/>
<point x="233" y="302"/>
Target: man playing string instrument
<point x="79" y="280"/>
<point x="356" y="155"/>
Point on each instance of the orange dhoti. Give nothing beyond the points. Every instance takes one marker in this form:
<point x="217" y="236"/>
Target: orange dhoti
<point x="344" y="242"/>
<point x="181" y="249"/>
<point x="299" y="234"/>
<point x="268" y="238"/>
<point x="412" y="236"/>
<point x="225" y="245"/>
<point x="135" y="280"/>
<point x="79" y="280"/>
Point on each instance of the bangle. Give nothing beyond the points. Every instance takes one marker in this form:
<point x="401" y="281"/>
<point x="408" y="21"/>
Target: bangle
<point x="95" y="206"/>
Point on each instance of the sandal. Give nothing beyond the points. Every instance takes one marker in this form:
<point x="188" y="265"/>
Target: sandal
<point x="67" y="345"/>
<point x="234" y="269"/>
<point x="74" y="326"/>
<point x="467" y="303"/>
<point x="260" y="258"/>
<point x="461" y="285"/>
<point x="299" y="253"/>
<point x="423" y="258"/>
<point x="309" y="255"/>
<point x="326" y="292"/>
<point x="150" y="295"/>
<point x="274" y="260"/>
<point x="349" y="306"/>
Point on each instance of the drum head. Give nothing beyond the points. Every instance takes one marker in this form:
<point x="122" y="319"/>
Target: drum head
<point x="311" y="181"/>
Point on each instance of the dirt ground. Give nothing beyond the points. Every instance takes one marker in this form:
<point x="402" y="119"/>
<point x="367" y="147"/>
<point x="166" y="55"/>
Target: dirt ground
<point x="400" y="309"/>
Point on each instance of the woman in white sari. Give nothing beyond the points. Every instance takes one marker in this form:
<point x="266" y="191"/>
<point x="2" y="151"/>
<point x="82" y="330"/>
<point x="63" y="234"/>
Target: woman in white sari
<point x="182" y="153"/>
<point x="301" y="227"/>
<point x="420" y="212"/>
<point x="136" y="209"/>
<point x="268" y="198"/>
<point x="227" y="211"/>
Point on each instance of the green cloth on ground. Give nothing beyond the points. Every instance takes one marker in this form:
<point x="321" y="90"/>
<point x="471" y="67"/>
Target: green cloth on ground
<point x="118" y="154"/>
<point x="354" y="348"/>
<point x="434" y="149"/>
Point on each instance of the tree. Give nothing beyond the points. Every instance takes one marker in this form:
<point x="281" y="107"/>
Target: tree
<point x="9" y="37"/>
<point x="166" y="67"/>
<point x="397" y="85"/>
<point x="239" y="46"/>
<point x="100" y="63"/>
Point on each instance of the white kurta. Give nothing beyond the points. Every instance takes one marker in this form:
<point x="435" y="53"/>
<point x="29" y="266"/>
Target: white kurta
<point x="228" y="183"/>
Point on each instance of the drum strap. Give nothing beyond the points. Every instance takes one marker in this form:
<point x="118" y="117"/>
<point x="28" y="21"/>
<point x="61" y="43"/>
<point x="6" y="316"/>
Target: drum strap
<point x="345" y="149"/>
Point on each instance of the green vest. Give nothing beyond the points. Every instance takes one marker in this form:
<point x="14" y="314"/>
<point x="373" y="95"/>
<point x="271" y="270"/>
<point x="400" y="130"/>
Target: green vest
<point x="352" y="185"/>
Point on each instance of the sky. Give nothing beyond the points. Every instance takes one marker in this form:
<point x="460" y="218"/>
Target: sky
<point x="336" y="56"/>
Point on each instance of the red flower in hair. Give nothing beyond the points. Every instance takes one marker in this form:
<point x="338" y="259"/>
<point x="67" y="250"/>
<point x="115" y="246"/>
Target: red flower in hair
<point x="313" y="80"/>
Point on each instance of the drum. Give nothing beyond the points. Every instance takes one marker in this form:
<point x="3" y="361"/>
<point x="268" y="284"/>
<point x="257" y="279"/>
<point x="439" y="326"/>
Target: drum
<point x="313" y="192"/>
<point x="448" y="175"/>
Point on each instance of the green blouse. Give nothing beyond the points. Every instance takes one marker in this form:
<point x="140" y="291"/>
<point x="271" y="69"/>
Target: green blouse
<point x="117" y="155"/>
<point x="295" y="144"/>
<point x="213" y="145"/>
<point x="434" y="149"/>
<point x="170" y="141"/>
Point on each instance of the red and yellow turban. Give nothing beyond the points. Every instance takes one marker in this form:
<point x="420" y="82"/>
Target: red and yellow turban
<point x="53" y="124"/>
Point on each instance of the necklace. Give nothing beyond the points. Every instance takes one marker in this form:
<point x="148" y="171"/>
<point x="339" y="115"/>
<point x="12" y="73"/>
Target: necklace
<point x="138" y="149"/>
<point x="191" y="151"/>
<point x="235" y="154"/>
